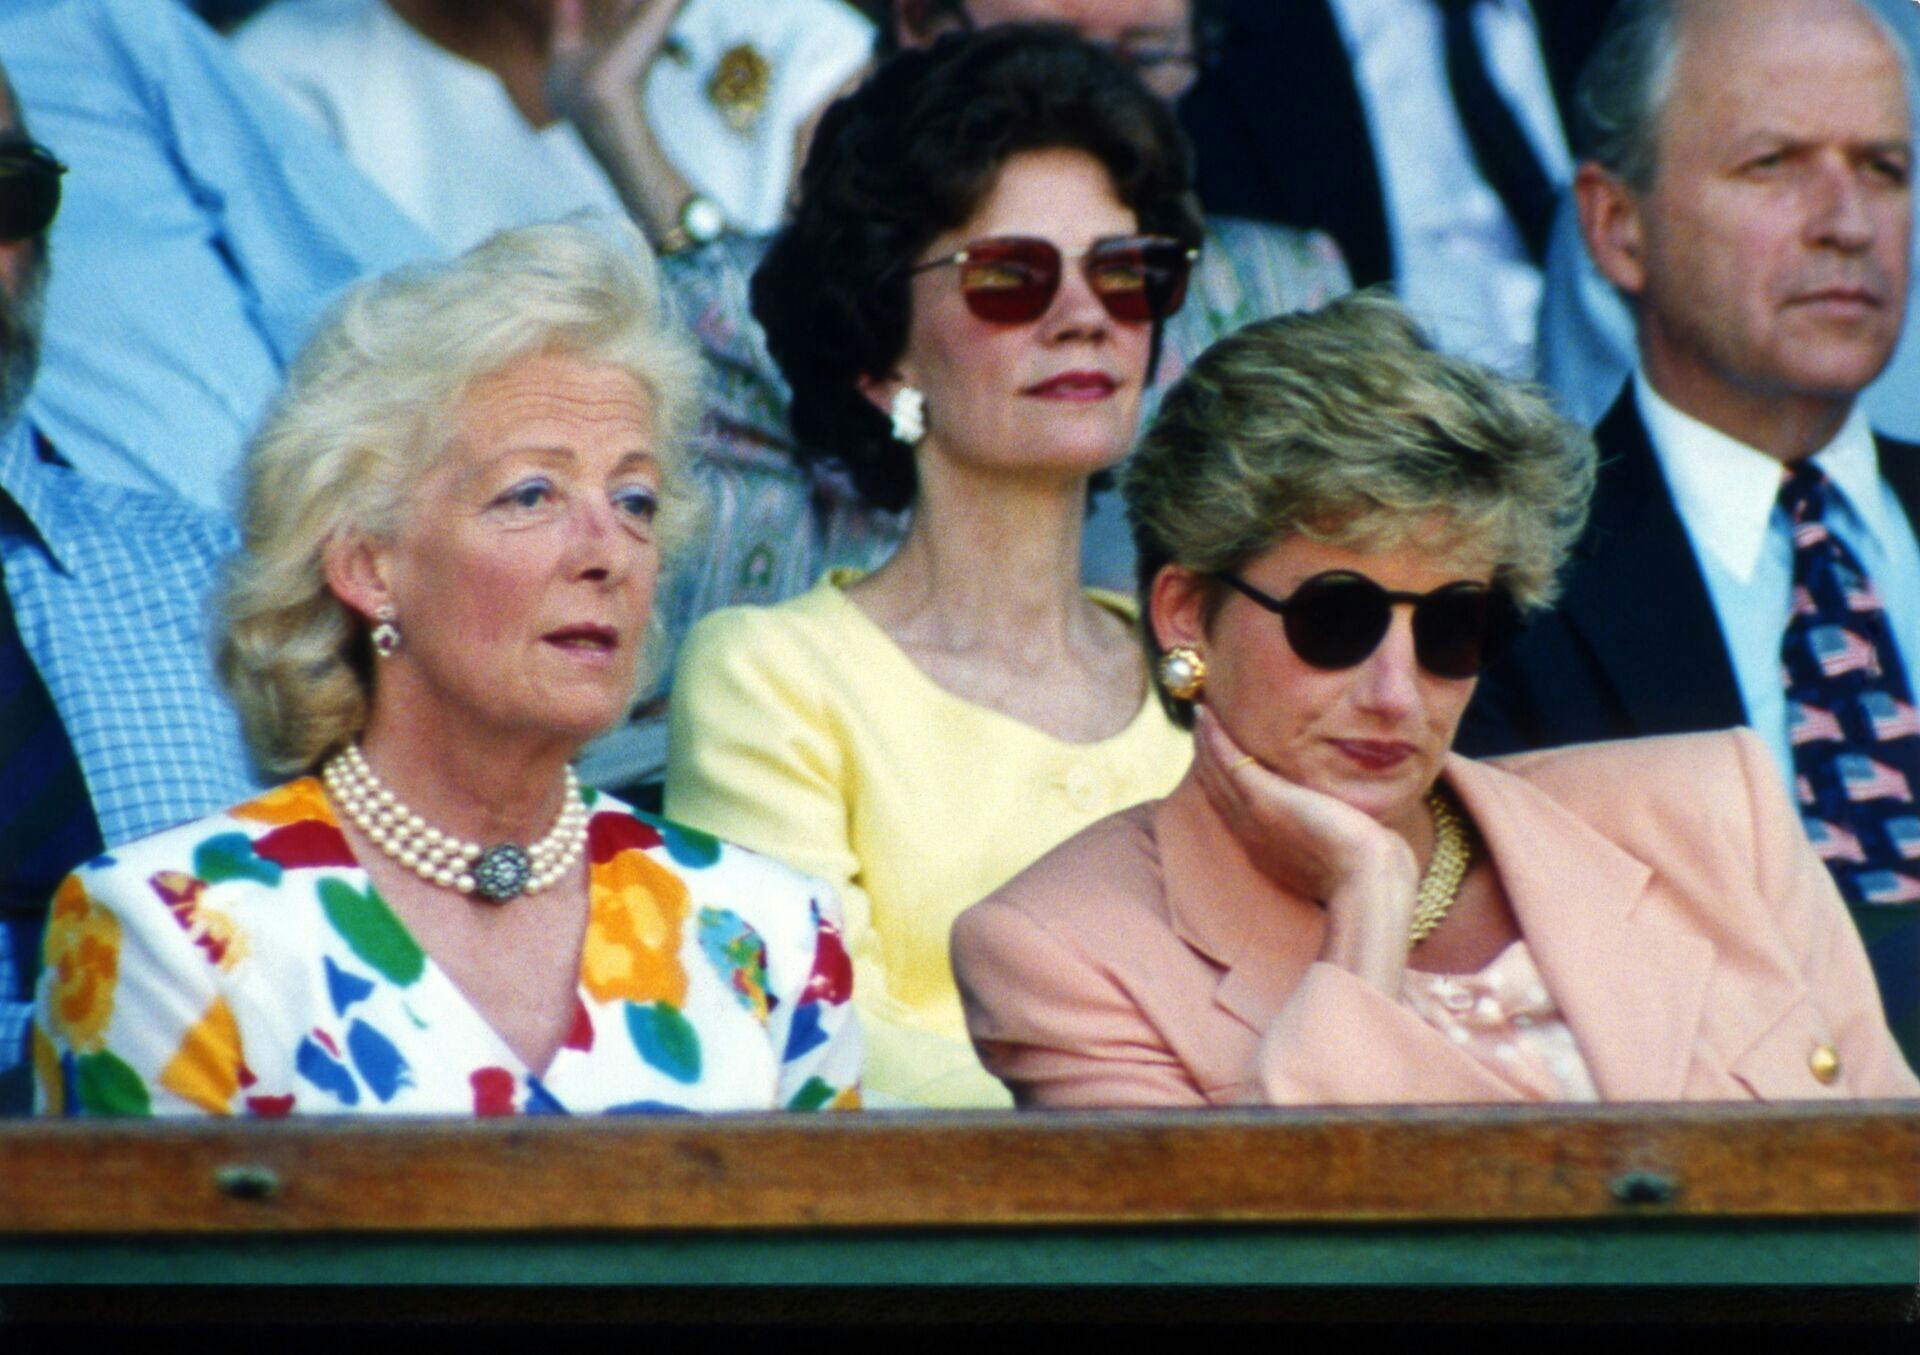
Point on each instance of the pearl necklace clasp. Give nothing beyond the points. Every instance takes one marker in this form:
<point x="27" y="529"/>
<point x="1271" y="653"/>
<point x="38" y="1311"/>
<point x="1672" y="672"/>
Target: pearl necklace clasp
<point x="498" y="873"/>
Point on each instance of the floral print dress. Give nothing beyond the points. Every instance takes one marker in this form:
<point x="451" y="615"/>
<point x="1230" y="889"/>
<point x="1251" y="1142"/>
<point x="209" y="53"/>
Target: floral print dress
<point x="243" y="964"/>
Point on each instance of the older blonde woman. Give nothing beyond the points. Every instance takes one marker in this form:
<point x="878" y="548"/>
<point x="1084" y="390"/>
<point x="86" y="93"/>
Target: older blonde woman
<point x="1333" y="907"/>
<point x="455" y="524"/>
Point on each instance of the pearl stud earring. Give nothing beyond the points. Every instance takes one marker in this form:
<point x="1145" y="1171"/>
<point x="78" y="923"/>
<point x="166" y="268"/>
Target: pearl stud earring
<point x="908" y="413"/>
<point x="1183" y="672"/>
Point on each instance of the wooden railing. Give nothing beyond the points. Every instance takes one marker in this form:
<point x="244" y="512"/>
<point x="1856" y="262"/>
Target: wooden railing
<point x="958" y="1171"/>
<point x="1716" y="1198"/>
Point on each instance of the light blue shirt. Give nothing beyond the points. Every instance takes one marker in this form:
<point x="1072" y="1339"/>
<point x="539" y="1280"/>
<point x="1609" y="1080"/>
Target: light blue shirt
<point x="1728" y="498"/>
<point x="110" y="589"/>
<point x="1460" y="265"/>
<point x="204" y="225"/>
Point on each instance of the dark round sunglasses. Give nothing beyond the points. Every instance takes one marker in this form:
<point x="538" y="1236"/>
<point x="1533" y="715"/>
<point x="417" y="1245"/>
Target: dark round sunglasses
<point x="29" y="190"/>
<point x="1012" y="279"/>
<point x="1335" y="620"/>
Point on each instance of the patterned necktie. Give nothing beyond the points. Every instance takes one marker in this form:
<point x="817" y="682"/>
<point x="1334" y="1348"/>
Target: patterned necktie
<point x="1856" y="746"/>
<point x="47" y="825"/>
<point x="1500" y="146"/>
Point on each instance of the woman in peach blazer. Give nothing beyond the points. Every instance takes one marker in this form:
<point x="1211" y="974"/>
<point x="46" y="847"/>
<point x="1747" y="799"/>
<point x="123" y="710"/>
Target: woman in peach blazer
<point x="1335" y="526"/>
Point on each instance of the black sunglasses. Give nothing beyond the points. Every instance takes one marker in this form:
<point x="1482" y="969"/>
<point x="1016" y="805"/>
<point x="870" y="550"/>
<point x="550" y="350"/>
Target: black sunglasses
<point x="29" y="189"/>
<point x="1335" y="620"/>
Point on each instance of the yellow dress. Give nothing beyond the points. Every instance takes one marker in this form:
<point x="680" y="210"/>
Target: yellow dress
<point x="802" y="731"/>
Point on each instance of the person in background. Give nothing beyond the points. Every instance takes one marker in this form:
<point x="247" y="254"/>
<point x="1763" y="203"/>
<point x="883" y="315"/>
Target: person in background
<point x="1333" y="908"/>
<point x="1752" y="558"/>
<point x="111" y="725"/>
<point x="439" y="102"/>
<point x="456" y="517"/>
<point x="445" y="103"/>
<point x="737" y="96"/>
<point x="1425" y="136"/>
<point x="782" y="516"/>
<point x="1586" y="326"/>
<point x="1248" y="268"/>
<point x="989" y="236"/>
<point x="204" y="228"/>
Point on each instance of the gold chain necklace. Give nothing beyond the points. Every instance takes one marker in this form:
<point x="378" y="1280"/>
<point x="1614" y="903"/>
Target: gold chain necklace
<point x="1452" y="854"/>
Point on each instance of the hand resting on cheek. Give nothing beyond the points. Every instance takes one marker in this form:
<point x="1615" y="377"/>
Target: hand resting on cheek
<point x="1313" y="844"/>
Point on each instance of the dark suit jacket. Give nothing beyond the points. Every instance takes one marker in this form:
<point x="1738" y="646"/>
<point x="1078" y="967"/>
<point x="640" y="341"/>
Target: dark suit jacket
<point x="1634" y="646"/>
<point x="1280" y="132"/>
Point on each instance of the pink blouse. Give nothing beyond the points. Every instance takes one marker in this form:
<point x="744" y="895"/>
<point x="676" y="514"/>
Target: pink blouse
<point x="1505" y="1017"/>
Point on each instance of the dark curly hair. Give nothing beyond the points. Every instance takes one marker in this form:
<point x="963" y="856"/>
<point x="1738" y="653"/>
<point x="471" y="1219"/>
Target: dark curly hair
<point x="913" y="153"/>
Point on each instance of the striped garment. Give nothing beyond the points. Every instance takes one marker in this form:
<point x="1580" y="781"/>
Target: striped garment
<point x="109" y="587"/>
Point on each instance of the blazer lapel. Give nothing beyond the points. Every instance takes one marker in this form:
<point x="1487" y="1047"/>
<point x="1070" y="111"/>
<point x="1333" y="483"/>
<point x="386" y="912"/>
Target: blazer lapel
<point x="1632" y="989"/>
<point x="1222" y="906"/>
<point x="1635" y="594"/>
<point x="1900" y="468"/>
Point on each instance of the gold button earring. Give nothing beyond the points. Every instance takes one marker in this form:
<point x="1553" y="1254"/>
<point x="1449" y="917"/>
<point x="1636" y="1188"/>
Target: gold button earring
<point x="1183" y="672"/>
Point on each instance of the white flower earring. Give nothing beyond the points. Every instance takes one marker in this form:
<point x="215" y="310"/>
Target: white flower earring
<point x="908" y="411"/>
<point x="385" y="634"/>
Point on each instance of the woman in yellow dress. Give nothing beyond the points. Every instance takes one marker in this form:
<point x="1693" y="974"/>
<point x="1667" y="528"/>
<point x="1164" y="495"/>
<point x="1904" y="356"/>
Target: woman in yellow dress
<point x="966" y="304"/>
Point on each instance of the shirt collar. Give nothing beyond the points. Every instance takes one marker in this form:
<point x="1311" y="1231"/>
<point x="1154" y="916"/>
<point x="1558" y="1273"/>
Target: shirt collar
<point x="1726" y="491"/>
<point x="25" y="479"/>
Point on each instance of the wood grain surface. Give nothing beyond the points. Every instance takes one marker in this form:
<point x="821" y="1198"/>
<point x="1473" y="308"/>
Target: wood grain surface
<point x="964" y="1170"/>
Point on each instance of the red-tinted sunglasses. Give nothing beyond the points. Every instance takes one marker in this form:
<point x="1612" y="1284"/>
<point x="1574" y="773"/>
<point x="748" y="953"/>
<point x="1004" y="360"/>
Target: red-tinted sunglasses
<point x="1012" y="279"/>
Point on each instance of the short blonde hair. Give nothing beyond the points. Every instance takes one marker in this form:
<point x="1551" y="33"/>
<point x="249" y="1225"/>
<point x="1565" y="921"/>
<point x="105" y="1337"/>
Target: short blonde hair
<point x="1344" y="425"/>
<point x="371" y="405"/>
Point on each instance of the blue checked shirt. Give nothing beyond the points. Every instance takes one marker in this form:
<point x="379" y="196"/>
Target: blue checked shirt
<point x="203" y="227"/>
<point x="110" y="589"/>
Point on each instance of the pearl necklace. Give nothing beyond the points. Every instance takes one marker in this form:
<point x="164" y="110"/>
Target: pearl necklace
<point x="1452" y="854"/>
<point x="498" y="873"/>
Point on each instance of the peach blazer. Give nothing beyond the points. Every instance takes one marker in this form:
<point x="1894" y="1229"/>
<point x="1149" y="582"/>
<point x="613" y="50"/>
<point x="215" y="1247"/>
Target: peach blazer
<point x="1695" y="945"/>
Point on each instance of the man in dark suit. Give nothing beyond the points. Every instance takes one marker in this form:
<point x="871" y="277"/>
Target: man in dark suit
<point x="1329" y="114"/>
<point x="1751" y="557"/>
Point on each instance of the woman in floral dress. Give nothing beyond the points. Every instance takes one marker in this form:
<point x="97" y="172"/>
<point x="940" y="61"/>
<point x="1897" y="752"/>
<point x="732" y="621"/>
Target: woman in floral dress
<point x="455" y="524"/>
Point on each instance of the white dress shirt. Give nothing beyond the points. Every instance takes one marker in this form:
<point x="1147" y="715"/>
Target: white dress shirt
<point x="439" y="133"/>
<point x="1460" y="264"/>
<point x="1728" y="497"/>
<point x="442" y="136"/>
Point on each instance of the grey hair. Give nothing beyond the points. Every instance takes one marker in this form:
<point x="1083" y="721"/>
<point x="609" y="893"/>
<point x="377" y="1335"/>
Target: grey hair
<point x="1345" y="425"/>
<point x="1623" y="90"/>
<point x="1621" y="96"/>
<point x="371" y="405"/>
